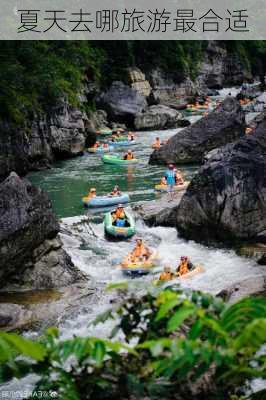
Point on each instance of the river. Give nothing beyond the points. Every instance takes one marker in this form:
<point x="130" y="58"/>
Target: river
<point x="68" y="181"/>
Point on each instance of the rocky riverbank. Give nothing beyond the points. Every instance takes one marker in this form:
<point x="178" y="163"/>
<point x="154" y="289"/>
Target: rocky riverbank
<point x="224" y="125"/>
<point x="32" y="257"/>
<point x="226" y="200"/>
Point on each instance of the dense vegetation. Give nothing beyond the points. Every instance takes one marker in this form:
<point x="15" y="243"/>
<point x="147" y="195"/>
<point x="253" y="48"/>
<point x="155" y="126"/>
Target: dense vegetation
<point x="177" y="345"/>
<point x="35" y="74"/>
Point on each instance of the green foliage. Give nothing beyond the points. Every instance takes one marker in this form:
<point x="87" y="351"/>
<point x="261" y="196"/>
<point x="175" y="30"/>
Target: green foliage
<point x="176" y="338"/>
<point x="35" y="74"/>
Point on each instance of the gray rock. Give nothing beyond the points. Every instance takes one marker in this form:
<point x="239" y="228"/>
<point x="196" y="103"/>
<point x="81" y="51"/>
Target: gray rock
<point x="122" y="102"/>
<point x="159" y="212"/>
<point x="64" y="133"/>
<point x="220" y="68"/>
<point x="226" y="201"/>
<point x="219" y="127"/>
<point x="45" y="308"/>
<point x="31" y="253"/>
<point x="247" y="287"/>
<point x="157" y="117"/>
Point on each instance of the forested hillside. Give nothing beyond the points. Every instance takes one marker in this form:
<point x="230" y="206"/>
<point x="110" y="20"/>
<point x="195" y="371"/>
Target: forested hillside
<point x="34" y="74"/>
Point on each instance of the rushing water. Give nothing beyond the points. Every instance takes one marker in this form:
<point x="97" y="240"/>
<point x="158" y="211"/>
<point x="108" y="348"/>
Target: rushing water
<point x="98" y="257"/>
<point x="83" y="233"/>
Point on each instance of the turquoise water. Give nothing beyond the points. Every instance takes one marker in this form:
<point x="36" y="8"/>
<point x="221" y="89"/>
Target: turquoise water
<point x="68" y="181"/>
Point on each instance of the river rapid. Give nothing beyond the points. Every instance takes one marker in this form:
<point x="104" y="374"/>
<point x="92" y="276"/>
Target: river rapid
<point x="83" y="236"/>
<point x="83" y="231"/>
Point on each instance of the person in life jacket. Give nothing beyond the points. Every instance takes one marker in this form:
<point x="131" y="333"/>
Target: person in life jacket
<point x="170" y="175"/>
<point x="163" y="181"/>
<point x="91" y="194"/>
<point x="184" y="266"/>
<point x="96" y="145"/>
<point x="157" y="144"/>
<point x="140" y="252"/>
<point x="115" y="191"/>
<point x="129" y="155"/>
<point x="119" y="216"/>
<point x="178" y="178"/>
<point x="167" y="274"/>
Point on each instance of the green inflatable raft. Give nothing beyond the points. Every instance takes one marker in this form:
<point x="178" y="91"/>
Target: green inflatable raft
<point x="121" y="232"/>
<point x="116" y="160"/>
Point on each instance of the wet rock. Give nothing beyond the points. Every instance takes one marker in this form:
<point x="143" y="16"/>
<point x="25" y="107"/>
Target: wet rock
<point x="159" y="212"/>
<point x="39" y="310"/>
<point x="219" y="127"/>
<point x="121" y="102"/>
<point x="244" y="288"/>
<point x="227" y="199"/>
<point x="256" y="251"/>
<point x="157" y="117"/>
<point x="31" y="253"/>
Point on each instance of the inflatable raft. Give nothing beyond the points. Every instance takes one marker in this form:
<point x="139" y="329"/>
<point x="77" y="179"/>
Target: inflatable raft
<point x="100" y="149"/>
<point x="178" y="188"/>
<point x="140" y="267"/>
<point x="122" y="232"/>
<point x="116" y="160"/>
<point x="105" y="132"/>
<point x="122" y="143"/>
<point x="105" y="201"/>
<point x="196" y="270"/>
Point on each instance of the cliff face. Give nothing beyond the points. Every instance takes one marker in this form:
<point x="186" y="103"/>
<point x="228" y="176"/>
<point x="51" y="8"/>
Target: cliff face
<point x="220" y="68"/>
<point x="64" y="133"/>
<point x="227" y="198"/>
<point x="31" y="253"/>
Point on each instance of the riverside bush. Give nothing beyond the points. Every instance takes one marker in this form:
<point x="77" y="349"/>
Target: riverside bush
<point x="178" y="345"/>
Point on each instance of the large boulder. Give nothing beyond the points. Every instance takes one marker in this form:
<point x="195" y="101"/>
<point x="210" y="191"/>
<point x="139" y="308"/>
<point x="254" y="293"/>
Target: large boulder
<point x="121" y="102"/>
<point x="157" y="117"/>
<point x="63" y="133"/>
<point x="31" y="253"/>
<point x="137" y="81"/>
<point x="220" y="68"/>
<point x="226" y="200"/>
<point x="220" y="127"/>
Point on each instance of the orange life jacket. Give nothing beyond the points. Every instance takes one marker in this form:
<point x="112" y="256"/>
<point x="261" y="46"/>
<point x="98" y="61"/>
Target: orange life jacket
<point x="183" y="268"/>
<point x="119" y="214"/>
<point x="166" y="276"/>
<point x="130" y="156"/>
<point x="139" y="251"/>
